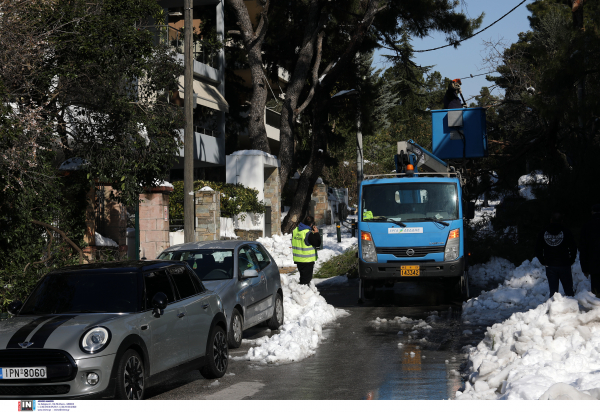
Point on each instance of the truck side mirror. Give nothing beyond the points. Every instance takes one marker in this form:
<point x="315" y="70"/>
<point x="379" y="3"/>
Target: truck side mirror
<point x="470" y="213"/>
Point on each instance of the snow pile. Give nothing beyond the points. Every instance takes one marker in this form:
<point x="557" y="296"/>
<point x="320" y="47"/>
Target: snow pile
<point x="305" y="313"/>
<point x="525" y="288"/>
<point x="280" y="247"/>
<point x="104" y="241"/>
<point x="527" y="183"/>
<point x="550" y="352"/>
<point x="206" y="189"/>
<point x="490" y="274"/>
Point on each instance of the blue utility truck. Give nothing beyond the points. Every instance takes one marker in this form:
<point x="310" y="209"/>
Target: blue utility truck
<point x="411" y="222"/>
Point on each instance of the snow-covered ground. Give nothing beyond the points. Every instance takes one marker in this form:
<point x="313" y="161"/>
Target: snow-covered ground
<point x="550" y="352"/>
<point x="524" y="288"/>
<point x="280" y="247"/>
<point x="306" y="311"/>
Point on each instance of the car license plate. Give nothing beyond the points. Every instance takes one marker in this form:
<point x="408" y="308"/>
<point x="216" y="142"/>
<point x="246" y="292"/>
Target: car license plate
<point x="37" y="372"/>
<point x="410" y="270"/>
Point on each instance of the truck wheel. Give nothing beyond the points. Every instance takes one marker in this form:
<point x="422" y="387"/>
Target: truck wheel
<point x="453" y="289"/>
<point x="368" y="290"/>
<point x="464" y="286"/>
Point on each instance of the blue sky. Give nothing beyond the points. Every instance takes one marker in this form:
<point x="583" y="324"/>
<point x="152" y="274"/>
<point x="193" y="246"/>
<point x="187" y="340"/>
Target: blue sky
<point x="468" y="58"/>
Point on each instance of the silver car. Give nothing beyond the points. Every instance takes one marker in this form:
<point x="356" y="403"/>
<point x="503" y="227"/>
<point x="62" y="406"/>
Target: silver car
<point x="245" y="277"/>
<point x="105" y="330"/>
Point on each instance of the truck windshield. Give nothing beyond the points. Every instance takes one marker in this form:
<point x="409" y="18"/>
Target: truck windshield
<point x="406" y="202"/>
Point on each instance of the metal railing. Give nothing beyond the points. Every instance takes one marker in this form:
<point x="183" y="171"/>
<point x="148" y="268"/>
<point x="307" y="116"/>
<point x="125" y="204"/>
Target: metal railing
<point x="415" y="174"/>
<point x="207" y="132"/>
<point x="174" y="38"/>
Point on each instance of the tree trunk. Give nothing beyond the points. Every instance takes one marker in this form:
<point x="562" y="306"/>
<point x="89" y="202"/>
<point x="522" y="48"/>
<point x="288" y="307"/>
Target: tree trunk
<point x="320" y="90"/>
<point x="253" y="41"/>
<point x="313" y="168"/>
<point x="297" y="82"/>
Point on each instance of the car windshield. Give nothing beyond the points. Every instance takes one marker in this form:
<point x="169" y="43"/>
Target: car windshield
<point x="209" y="264"/>
<point x="406" y="202"/>
<point x="80" y="292"/>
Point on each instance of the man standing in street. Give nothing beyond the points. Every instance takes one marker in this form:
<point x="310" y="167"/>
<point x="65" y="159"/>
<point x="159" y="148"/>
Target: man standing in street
<point x="556" y="249"/>
<point x="589" y="250"/>
<point x="305" y="240"/>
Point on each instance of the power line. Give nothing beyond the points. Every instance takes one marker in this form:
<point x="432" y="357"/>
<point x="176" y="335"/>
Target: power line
<point x="477" y="75"/>
<point x="474" y="34"/>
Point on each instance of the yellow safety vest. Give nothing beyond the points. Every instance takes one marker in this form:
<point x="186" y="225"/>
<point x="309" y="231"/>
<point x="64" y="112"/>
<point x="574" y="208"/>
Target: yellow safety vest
<point x="301" y="252"/>
<point x="367" y="214"/>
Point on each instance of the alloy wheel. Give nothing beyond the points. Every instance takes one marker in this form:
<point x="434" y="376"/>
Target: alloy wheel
<point x="134" y="378"/>
<point x="279" y="310"/>
<point x="237" y="328"/>
<point x="220" y="351"/>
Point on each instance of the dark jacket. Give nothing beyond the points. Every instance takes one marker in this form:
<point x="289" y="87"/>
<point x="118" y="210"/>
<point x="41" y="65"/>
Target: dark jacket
<point x="555" y="246"/>
<point x="312" y="239"/>
<point x="451" y="100"/>
<point x="589" y="247"/>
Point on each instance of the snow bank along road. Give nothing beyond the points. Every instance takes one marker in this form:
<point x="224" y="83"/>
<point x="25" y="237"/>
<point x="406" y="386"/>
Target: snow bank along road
<point x="542" y="347"/>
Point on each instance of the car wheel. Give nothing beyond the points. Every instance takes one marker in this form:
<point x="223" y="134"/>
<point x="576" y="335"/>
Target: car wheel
<point x="236" y="328"/>
<point x="277" y="319"/>
<point x="130" y="376"/>
<point x="217" y="354"/>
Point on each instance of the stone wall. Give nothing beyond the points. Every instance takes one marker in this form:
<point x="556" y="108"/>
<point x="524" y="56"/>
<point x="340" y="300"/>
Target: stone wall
<point x="272" y="197"/>
<point x="107" y="217"/>
<point x="249" y="235"/>
<point x="322" y="211"/>
<point x="154" y="222"/>
<point x="207" y="205"/>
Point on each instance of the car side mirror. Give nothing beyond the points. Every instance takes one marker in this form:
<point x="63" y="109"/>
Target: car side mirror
<point x="250" y="273"/>
<point x="14" y="307"/>
<point x="159" y="303"/>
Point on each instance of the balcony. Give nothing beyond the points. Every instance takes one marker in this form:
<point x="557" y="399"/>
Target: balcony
<point x="206" y="62"/>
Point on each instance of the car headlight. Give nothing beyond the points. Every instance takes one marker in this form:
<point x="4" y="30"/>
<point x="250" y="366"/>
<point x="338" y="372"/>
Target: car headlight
<point x="369" y="254"/>
<point x="452" y="249"/>
<point x="95" y="340"/>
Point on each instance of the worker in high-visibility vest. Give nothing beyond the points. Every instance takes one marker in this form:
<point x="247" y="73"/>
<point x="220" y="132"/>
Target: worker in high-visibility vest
<point x="305" y="240"/>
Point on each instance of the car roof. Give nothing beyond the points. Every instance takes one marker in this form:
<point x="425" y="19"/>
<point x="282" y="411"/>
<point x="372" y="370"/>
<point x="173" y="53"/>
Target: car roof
<point x="127" y="266"/>
<point x="208" y="244"/>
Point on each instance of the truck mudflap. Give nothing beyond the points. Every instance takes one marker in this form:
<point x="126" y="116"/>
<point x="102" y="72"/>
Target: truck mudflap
<point x="410" y="271"/>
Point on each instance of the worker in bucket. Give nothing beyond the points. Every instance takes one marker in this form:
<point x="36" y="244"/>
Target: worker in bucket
<point x="556" y="249"/>
<point x="451" y="98"/>
<point x="589" y="250"/>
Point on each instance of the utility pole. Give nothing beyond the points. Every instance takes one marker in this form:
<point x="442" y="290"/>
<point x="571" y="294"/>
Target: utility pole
<point x="188" y="132"/>
<point x="359" y="144"/>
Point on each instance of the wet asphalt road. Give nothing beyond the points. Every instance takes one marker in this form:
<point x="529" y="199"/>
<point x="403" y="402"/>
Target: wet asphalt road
<point x="359" y="359"/>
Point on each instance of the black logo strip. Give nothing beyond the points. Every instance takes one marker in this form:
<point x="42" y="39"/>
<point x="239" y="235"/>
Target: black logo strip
<point x="41" y="336"/>
<point x="21" y="334"/>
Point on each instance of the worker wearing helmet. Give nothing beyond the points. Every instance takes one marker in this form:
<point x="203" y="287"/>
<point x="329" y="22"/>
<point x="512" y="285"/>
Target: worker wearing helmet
<point x="451" y="98"/>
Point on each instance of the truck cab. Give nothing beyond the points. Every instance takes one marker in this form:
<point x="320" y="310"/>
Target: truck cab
<point x="411" y="228"/>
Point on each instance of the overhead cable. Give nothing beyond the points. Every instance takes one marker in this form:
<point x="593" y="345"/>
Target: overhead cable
<point x="474" y="34"/>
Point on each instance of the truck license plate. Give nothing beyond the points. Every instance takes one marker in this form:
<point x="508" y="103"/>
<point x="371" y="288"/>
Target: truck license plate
<point x="38" y="372"/>
<point x="410" y="270"/>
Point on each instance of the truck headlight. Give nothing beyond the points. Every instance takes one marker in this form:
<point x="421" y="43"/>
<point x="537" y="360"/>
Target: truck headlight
<point x="452" y="245"/>
<point x="368" y="247"/>
<point x="95" y="340"/>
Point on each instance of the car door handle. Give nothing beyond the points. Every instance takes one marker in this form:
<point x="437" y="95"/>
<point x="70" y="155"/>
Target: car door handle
<point x="206" y="305"/>
<point x="181" y="315"/>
